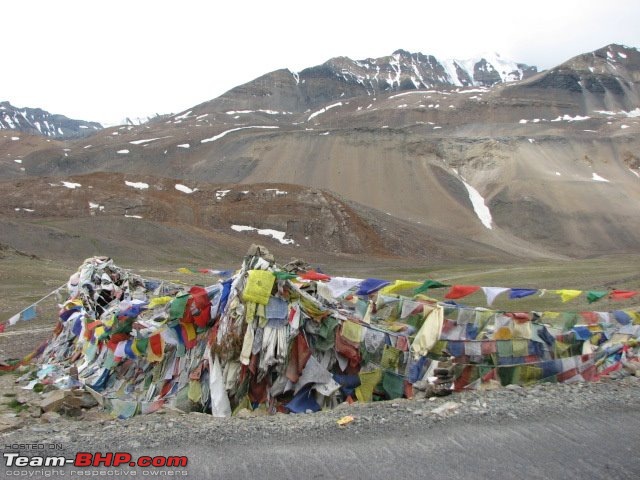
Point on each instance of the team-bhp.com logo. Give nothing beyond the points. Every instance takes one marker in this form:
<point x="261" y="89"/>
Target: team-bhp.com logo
<point x="87" y="459"/>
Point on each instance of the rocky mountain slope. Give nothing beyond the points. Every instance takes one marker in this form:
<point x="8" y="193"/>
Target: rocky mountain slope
<point x="36" y="121"/>
<point x="288" y="218"/>
<point x="547" y="165"/>
<point x="338" y="78"/>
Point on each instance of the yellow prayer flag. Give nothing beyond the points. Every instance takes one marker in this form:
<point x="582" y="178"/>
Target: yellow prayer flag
<point x="520" y="347"/>
<point x="399" y="286"/>
<point x="390" y="357"/>
<point x="567" y="295"/>
<point x="258" y="287"/>
<point x="368" y="381"/>
<point x="503" y="333"/>
<point x="159" y="301"/>
<point x="195" y="391"/>
<point x="190" y="331"/>
<point x="635" y="316"/>
<point x="250" y="311"/>
<point x="352" y="331"/>
<point x="522" y="330"/>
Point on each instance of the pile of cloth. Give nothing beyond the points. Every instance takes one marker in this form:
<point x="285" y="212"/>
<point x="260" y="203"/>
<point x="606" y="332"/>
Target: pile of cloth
<point x="292" y="339"/>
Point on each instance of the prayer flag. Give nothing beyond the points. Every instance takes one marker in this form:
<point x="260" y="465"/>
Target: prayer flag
<point x="459" y="291"/>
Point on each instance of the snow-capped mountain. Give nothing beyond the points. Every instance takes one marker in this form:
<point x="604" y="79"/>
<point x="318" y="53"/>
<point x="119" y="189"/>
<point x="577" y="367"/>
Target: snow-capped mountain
<point x="343" y="78"/>
<point x="531" y="164"/>
<point x="36" y="121"/>
<point x="405" y="70"/>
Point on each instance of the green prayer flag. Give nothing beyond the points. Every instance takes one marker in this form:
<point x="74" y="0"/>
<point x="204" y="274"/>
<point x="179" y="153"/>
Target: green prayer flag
<point x="284" y="275"/>
<point x="177" y="306"/>
<point x="595" y="295"/>
<point x="141" y="345"/>
<point x="429" y="284"/>
<point x="393" y="385"/>
<point x="390" y="357"/>
<point x="326" y="337"/>
<point x="570" y="319"/>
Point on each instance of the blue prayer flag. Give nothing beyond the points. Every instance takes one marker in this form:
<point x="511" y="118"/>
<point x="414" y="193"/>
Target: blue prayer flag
<point x="29" y="313"/>
<point x="521" y="292"/>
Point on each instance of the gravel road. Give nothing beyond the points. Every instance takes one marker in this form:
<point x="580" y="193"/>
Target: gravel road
<point x="544" y="431"/>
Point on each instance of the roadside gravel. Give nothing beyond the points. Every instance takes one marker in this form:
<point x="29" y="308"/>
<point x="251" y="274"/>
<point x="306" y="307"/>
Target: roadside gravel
<point x="168" y="428"/>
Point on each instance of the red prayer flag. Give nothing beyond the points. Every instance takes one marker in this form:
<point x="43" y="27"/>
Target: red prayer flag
<point x="155" y="342"/>
<point x="590" y="317"/>
<point x="2" y="327"/>
<point x="459" y="291"/>
<point x="313" y="275"/>
<point x="622" y="294"/>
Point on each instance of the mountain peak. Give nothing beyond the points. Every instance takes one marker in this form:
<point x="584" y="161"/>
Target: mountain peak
<point x="403" y="53"/>
<point x="36" y="121"/>
<point x="406" y="70"/>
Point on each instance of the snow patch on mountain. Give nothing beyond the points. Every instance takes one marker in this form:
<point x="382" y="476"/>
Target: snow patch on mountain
<point x="597" y="178"/>
<point x="323" y="110"/>
<point x="185" y="189"/>
<point x="275" y="234"/>
<point x="226" y="132"/>
<point x="137" y="185"/>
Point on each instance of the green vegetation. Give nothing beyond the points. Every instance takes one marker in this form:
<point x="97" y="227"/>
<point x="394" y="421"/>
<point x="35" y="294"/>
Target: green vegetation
<point x="16" y="406"/>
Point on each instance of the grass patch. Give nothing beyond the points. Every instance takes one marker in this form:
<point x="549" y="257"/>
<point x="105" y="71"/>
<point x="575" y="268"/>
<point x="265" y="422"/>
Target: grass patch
<point x="17" y="407"/>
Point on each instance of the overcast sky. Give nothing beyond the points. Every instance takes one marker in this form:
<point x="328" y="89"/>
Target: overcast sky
<point x="106" y="60"/>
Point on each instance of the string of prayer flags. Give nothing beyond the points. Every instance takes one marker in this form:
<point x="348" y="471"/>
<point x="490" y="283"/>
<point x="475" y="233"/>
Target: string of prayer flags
<point x="205" y="271"/>
<point x="293" y="344"/>
<point x="28" y="313"/>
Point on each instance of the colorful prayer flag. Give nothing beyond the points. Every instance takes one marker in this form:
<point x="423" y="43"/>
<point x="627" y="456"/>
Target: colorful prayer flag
<point x="567" y="295"/>
<point x="622" y="294"/>
<point x="595" y="295"/>
<point x="521" y="292"/>
<point x="459" y="291"/>
<point x="429" y="284"/>
<point x="492" y="292"/>
<point x="29" y="313"/>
